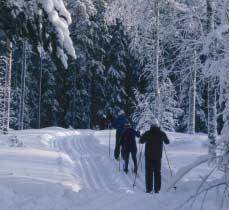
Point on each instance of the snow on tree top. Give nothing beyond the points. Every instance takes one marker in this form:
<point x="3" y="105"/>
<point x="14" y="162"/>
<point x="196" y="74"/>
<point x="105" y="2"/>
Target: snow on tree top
<point x="50" y="5"/>
<point x="29" y="18"/>
<point x="61" y="19"/>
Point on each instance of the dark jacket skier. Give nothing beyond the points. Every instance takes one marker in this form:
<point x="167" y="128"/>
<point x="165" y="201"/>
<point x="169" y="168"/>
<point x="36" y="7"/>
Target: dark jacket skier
<point x="129" y="146"/>
<point x="154" y="139"/>
<point x="119" y="123"/>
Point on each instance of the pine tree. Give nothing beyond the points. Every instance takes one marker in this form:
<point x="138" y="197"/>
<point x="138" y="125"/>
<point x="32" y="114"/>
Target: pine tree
<point x="116" y="69"/>
<point x="33" y="19"/>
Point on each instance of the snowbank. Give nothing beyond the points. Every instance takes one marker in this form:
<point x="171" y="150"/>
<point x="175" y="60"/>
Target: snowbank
<point x="66" y="169"/>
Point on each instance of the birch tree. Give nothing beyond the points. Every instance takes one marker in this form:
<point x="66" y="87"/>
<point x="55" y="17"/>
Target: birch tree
<point x="212" y="132"/>
<point x="6" y="67"/>
<point x="192" y="97"/>
<point x="40" y="89"/>
<point x="23" y="77"/>
<point x="4" y="61"/>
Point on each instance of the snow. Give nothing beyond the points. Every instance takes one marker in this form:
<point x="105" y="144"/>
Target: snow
<point x="57" y="14"/>
<point x="179" y="6"/>
<point x="66" y="169"/>
<point x="183" y="171"/>
<point x="61" y="19"/>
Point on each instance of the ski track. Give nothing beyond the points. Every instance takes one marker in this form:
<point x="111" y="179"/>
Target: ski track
<point x="91" y="146"/>
<point x="96" y="170"/>
<point x="87" y="165"/>
<point x="75" y="157"/>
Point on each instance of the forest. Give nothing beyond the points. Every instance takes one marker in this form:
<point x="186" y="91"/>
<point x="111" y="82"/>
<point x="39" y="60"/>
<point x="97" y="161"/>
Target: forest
<point x="71" y="64"/>
<point x="138" y="56"/>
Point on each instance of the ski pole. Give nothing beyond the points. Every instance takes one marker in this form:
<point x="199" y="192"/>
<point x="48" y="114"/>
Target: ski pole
<point x="141" y="161"/>
<point x="135" y="178"/>
<point x="119" y="164"/>
<point x="110" y="143"/>
<point x="171" y="173"/>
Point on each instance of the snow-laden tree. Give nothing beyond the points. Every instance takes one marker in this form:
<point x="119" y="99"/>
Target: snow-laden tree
<point x="5" y="77"/>
<point x="49" y="106"/>
<point x="142" y="38"/>
<point x="116" y="67"/>
<point x="212" y="126"/>
<point x="180" y="31"/>
<point x="214" y="47"/>
<point x="3" y="70"/>
<point x="223" y="144"/>
<point x="144" y="113"/>
<point x="23" y="77"/>
<point x="145" y="21"/>
<point x="98" y="78"/>
<point x="80" y="73"/>
<point x="44" y="22"/>
<point x="19" y="103"/>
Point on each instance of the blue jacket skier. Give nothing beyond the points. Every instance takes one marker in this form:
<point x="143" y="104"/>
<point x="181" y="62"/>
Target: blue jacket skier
<point x="118" y="124"/>
<point x="129" y="146"/>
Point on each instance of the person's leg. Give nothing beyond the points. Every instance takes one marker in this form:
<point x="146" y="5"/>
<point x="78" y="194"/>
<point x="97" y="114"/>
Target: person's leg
<point x="126" y="158"/>
<point x="117" y="147"/>
<point x="123" y="153"/>
<point x="157" y="175"/>
<point x="134" y="158"/>
<point x="148" y="175"/>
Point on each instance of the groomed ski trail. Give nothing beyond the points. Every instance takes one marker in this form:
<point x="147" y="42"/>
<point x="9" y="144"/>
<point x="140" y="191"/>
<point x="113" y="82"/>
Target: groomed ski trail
<point x="95" y="169"/>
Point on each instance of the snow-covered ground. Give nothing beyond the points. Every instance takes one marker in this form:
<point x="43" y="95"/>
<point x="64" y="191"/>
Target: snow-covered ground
<point x="63" y="169"/>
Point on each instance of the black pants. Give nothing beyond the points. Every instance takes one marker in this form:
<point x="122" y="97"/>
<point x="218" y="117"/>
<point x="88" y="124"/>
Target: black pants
<point x="153" y="175"/>
<point x="117" y="146"/>
<point x="126" y="155"/>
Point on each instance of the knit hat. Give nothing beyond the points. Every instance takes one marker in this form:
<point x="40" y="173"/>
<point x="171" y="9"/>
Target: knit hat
<point x="155" y="123"/>
<point x="121" y="112"/>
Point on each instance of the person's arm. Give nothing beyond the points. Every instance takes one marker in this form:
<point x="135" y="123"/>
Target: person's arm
<point x="144" y="138"/>
<point x="165" y="139"/>
<point x="137" y="133"/>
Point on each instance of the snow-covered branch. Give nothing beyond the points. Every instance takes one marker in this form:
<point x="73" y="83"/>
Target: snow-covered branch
<point x="44" y="22"/>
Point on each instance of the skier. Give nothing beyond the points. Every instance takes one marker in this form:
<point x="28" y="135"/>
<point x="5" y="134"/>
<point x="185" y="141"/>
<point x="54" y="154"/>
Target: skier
<point x="119" y="123"/>
<point x="154" y="139"/>
<point x="129" y="146"/>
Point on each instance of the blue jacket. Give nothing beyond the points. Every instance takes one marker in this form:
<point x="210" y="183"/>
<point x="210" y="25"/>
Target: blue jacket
<point x="128" y="141"/>
<point x="119" y="123"/>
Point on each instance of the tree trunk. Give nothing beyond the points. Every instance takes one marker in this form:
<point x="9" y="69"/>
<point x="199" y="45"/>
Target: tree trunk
<point x="7" y="98"/>
<point x="212" y="127"/>
<point x="212" y="124"/>
<point x="157" y="57"/>
<point x="3" y="69"/>
<point x="22" y="98"/>
<point x="40" y="91"/>
<point x="74" y="102"/>
<point x="192" y="100"/>
<point x="224" y="151"/>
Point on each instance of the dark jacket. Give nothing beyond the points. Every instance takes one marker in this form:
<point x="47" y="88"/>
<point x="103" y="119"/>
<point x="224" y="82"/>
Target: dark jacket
<point x="128" y="141"/>
<point x="119" y="123"/>
<point x="154" y="139"/>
